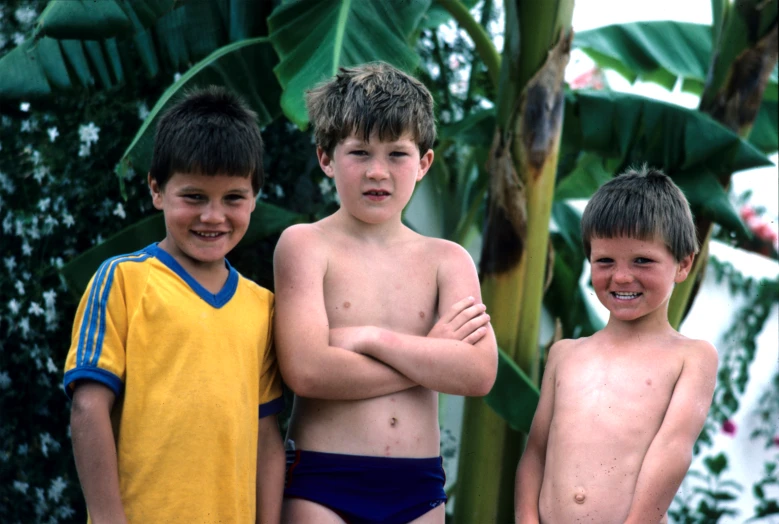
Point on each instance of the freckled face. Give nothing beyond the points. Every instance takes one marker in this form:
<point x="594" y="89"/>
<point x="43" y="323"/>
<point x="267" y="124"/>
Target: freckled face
<point x="375" y="179"/>
<point x="205" y="216"/>
<point x="634" y="278"/>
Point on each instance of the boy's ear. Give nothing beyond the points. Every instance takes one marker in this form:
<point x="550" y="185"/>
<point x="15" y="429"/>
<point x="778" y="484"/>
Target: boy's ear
<point x="425" y="161"/>
<point x="325" y="162"/>
<point x="684" y="268"/>
<point x="156" y="192"/>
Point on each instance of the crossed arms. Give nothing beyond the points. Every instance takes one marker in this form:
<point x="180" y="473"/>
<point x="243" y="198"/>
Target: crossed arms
<point x="458" y="355"/>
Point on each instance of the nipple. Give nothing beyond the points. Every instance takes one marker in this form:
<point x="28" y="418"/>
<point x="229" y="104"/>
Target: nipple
<point x="579" y="496"/>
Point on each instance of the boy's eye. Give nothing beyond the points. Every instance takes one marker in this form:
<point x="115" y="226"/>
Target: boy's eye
<point x="358" y="152"/>
<point x="194" y="197"/>
<point x="398" y="154"/>
<point x="604" y="260"/>
<point x="234" y="197"/>
<point x="643" y="260"/>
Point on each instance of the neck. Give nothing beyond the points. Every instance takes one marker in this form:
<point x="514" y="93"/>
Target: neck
<point x="653" y="324"/>
<point x="381" y="233"/>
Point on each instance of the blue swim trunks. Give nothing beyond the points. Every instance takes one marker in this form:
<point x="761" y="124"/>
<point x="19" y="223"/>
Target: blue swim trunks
<point x="364" y="489"/>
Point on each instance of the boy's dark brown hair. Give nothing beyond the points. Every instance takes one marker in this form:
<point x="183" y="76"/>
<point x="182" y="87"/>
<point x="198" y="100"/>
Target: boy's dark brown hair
<point x="374" y="96"/>
<point x="641" y="203"/>
<point x="211" y="131"/>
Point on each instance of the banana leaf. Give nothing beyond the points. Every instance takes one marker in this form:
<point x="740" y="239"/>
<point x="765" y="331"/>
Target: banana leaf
<point x="313" y="39"/>
<point x="514" y="396"/>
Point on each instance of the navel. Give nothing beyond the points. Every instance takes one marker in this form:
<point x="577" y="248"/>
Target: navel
<point x="649" y="382"/>
<point x="393" y="422"/>
<point x="579" y="496"/>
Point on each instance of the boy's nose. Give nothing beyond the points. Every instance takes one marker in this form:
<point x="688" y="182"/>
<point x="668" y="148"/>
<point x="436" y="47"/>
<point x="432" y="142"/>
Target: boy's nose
<point x="212" y="214"/>
<point x="377" y="171"/>
<point x="622" y="276"/>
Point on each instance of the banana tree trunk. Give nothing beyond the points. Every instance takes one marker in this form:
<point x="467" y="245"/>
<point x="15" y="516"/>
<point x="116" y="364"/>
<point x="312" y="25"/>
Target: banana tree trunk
<point x="744" y="54"/>
<point x="522" y="166"/>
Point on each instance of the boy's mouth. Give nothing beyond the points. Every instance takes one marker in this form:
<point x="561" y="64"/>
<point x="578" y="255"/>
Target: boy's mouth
<point x="377" y="193"/>
<point x="208" y="234"/>
<point x="624" y="296"/>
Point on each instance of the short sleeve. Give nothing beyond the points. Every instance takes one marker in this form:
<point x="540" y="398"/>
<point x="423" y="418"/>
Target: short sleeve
<point x="97" y="348"/>
<point x="271" y="400"/>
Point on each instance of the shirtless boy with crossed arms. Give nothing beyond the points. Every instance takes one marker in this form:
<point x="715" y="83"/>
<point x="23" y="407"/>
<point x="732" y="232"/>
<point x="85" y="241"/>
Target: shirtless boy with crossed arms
<point x="372" y="319"/>
<point x="619" y="412"/>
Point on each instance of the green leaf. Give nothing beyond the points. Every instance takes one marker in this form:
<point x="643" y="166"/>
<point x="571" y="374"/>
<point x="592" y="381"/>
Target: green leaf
<point x="476" y="128"/>
<point x="266" y="220"/>
<point x="660" y="52"/>
<point x="708" y="199"/>
<point x="437" y="15"/>
<point x="244" y="67"/>
<point x="514" y="396"/>
<point x="587" y="176"/>
<point x="164" y="38"/>
<point x="716" y="464"/>
<point x="84" y="20"/>
<point x="765" y="131"/>
<point x="313" y="39"/>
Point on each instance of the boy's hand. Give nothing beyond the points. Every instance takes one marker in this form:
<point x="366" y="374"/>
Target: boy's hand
<point x="465" y="321"/>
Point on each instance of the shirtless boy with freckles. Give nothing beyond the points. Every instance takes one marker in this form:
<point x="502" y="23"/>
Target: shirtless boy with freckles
<point x="619" y="412"/>
<point x="373" y="319"/>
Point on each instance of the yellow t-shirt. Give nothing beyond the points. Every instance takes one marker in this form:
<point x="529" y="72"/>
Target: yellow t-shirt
<point x="193" y="372"/>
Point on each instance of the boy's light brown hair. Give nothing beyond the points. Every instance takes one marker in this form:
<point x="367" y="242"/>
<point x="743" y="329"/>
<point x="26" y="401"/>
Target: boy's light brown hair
<point x="374" y="96"/>
<point x="641" y="203"/>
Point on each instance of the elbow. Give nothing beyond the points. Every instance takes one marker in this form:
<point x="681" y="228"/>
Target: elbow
<point x="484" y="380"/>
<point x="300" y="380"/>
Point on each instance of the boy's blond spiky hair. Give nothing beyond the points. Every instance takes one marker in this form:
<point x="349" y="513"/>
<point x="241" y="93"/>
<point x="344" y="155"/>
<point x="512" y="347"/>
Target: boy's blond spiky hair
<point x="371" y="97"/>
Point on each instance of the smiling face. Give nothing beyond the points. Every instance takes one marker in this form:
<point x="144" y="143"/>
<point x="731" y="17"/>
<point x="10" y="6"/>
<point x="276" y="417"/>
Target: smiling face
<point x="205" y="217"/>
<point x="375" y="179"/>
<point x="634" y="278"/>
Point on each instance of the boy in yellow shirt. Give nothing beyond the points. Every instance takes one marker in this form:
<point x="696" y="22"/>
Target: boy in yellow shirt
<point x="171" y="369"/>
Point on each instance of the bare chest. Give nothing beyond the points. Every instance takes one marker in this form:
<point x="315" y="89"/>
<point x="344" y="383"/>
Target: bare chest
<point x="396" y="290"/>
<point x="621" y="391"/>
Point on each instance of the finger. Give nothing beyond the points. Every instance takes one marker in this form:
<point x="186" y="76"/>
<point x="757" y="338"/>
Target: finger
<point x="456" y="308"/>
<point x="467" y="314"/>
<point x="472" y="325"/>
<point x="476" y="336"/>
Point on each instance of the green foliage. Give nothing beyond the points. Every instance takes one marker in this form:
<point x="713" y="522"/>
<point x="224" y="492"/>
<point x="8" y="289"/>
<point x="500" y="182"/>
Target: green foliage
<point x="711" y="497"/>
<point x="313" y="39"/>
<point x="514" y="396"/>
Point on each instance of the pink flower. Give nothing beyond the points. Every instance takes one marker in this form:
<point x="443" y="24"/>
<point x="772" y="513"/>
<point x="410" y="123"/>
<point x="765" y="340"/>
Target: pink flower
<point x="776" y="440"/>
<point x="747" y="212"/>
<point x="729" y="428"/>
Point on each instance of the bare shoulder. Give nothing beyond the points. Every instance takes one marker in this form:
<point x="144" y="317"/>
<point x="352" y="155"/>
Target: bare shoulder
<point x="563" y="349"/>
<point x="699" y="353"/>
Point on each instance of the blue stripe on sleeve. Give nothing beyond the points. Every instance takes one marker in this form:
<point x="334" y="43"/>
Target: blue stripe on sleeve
<point x="102" y="376"/>
<point x="271" y="408"/>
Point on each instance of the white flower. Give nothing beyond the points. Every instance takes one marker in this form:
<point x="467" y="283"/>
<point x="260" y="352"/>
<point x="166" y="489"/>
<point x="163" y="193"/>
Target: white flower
<point x="10" y="263"/>
<point x="26" y="275"/>
<point x="83" y="150"/>
<point x="279" y="191"/>
<point x="35" y="309"/>
<point x="23" y="449"/>
<point x="176" y="77"/>
<point x="6" y="184"/>
<point x="21" y="487"/>
<point x="48" y="442"/>
<point x="65" y="512"/>
<point x="98" y="239"/>
<point x="143" y="111"/>
<point x="56" y="489"/>
<point x="19" y="227"/>
<point x="5" y="380"/>
<point x="119" y="210"/>
<point x="18" y="38"/>
<point x="26" y="249"/>
<point x="67" y="219"/>
<point x="51" y="319"/>
<point x="325" y="187"/>
<point x="25" y="15"/>
<point x="3" y="39"/>
<point x="53" y="133"/>
<point x="19" y="287"/>
<point x="8" y="223"/>
<point x="56" y="262"/>
<point x="43" y="204"/>
<point x="50" y="366"/>
<point x="26" y="126"/>
<point x="50" y="223"/>
<point x="13" y="305"/>
<point x="89" y="133"/>
<point x="24" y="325"/>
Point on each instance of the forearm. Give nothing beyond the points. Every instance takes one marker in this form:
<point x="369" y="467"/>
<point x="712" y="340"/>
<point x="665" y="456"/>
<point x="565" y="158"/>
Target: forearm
<point x="661" y="474"/>
<point x="271" y="466"/>
<point x="94" y="450"/>
<point x="334" y="373"/>
<point x="443" y="365"/>
<point x="528" y="488"/>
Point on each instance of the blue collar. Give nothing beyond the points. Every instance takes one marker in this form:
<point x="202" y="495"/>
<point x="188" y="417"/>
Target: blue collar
<point x="215" y="300"/>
